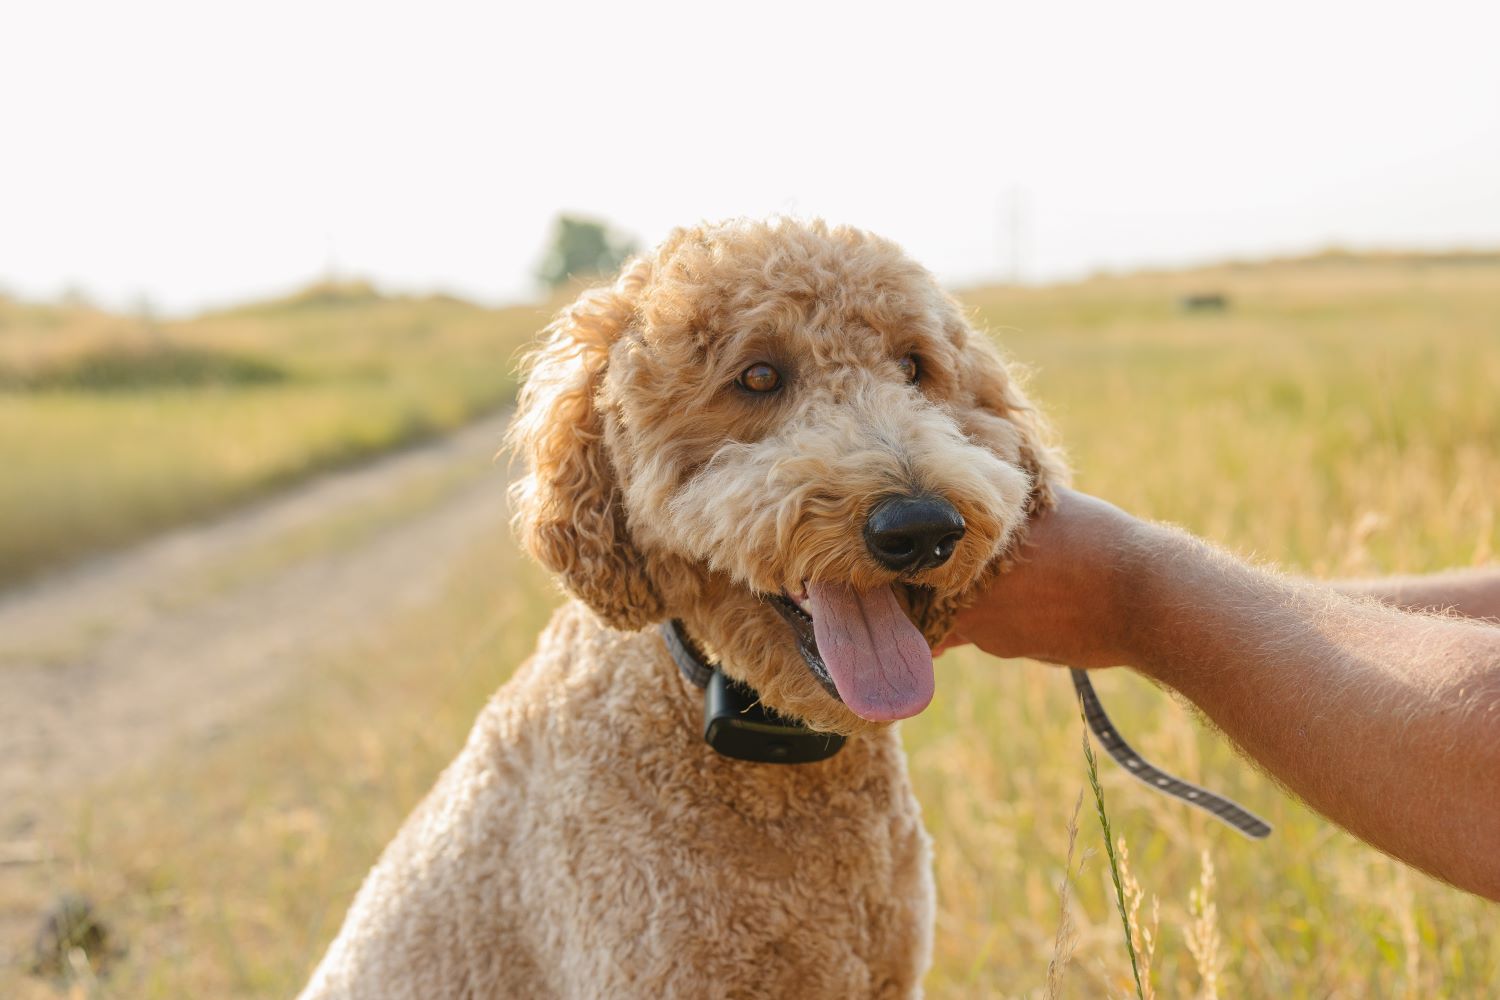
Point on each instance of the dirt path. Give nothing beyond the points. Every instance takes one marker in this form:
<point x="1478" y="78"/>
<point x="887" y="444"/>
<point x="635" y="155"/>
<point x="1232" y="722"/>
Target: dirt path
<point x="171" y="641"/>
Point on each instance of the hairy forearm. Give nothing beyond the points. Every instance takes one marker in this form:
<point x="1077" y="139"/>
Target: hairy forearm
<point x="1474" y="593"/>
<point x="1388" y="723"/>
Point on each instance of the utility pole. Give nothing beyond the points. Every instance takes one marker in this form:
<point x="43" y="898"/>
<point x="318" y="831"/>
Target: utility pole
<point x="1010" y="226"/>
<point x="1017" y="234"/>
<point x="330" y="260"/>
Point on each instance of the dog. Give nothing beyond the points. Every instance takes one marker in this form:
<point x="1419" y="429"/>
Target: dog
<point x="785" y="437"/>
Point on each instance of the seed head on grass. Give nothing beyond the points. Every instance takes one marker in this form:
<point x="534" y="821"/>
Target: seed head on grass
<point x="1110" y="853"/>
<point x="1066" y="938"/>
<point x="1203" y="932"/>
<point x="1142" y="937"/>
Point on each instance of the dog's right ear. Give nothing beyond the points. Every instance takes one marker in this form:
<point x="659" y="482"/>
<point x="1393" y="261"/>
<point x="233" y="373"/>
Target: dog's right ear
<point x="1005" y="419"/>
<point x="568" y="513"/>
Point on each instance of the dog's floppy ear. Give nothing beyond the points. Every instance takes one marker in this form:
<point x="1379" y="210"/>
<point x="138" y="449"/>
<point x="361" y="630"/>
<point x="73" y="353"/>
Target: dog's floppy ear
<point x="568" y="512"/>
<point x="1020" y="433"/>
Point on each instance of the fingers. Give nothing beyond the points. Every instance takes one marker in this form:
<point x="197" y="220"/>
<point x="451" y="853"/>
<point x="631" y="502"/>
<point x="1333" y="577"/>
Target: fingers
<point x="950" y="641"/>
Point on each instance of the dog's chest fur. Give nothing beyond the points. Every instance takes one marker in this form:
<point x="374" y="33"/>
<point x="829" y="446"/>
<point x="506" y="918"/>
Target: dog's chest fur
<point x="587" y="843"/>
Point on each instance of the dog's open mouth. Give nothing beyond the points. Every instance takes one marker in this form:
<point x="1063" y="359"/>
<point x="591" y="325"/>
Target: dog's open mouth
<point x="862" y="648"/>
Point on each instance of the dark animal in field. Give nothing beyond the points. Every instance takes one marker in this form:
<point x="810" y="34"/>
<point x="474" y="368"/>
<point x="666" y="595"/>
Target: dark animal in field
<point x="1204" y="302"/>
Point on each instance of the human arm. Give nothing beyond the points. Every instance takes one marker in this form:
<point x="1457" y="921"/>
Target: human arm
<point x="1474" y="593"/>
<point x="1387" y="723"/>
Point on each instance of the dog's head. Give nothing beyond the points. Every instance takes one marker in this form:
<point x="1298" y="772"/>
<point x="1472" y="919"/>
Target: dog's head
<point x="786" y="435"/>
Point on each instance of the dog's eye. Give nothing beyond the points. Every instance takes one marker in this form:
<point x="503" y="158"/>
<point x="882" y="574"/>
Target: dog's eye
<point x="910" y="368"/>
<point x="760" y="377"/>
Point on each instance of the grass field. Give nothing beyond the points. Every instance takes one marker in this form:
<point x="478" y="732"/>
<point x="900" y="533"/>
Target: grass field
<point x="1340" y="418"/>
<point x="114" y="427"/>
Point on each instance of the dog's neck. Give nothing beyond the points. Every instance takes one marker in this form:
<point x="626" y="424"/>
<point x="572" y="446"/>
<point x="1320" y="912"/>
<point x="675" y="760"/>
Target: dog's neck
<point x="622" y="692"/>
<point x="735" y="722"/>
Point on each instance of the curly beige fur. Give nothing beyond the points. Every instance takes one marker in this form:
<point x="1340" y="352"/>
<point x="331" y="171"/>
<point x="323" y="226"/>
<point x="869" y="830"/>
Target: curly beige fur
<point x="586" y="842"/>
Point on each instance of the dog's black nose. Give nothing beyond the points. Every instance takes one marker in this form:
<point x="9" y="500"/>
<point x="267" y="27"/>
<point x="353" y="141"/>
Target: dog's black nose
<point x="909" y="533"/>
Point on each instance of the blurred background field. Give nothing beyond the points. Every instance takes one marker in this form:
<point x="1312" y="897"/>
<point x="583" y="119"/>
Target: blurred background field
<point x="1339" y="416"/>
<point x="112" y="426"/>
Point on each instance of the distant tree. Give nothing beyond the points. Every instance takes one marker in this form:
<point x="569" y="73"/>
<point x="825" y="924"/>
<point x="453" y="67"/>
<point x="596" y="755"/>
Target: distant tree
<point x="581" y="248"/>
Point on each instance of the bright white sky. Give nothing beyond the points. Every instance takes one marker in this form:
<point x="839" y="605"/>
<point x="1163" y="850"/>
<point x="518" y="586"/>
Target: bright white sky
<point x="196" y="153"/>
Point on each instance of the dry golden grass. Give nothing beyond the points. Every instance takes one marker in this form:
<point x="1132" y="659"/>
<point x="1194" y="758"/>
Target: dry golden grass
<point x="1341" y="417"/>
<point x="1202" y="934"/>
<point x="1066" y="937"/>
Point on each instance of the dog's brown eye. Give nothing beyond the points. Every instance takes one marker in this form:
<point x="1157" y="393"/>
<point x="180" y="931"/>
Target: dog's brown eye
<point x="910" y="368"/>
<point x="760" y="377"/>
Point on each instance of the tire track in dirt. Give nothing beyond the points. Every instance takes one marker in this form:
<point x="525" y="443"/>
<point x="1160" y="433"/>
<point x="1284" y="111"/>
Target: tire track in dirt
<point x="109" y="664"/>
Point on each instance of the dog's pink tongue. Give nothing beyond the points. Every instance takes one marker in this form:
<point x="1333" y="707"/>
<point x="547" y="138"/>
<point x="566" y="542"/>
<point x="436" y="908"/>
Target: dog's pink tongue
<point x="878" y="660"/>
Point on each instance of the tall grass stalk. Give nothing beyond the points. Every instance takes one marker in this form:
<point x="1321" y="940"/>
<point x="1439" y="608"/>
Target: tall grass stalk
<point x="1110" y="853"/>
<point x="1142" y="936"/>
<point x="1203" y="940"/>
<point x="1066" y="939"/>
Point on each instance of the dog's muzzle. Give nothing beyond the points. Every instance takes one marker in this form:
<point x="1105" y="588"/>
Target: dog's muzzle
<point x="908" y="534"/>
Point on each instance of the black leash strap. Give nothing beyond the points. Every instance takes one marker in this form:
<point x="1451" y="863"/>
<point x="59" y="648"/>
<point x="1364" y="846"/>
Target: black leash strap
<point x="1114" y="744"/>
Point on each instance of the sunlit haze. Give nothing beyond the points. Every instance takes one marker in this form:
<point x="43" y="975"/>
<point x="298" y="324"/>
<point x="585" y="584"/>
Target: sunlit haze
<point x="190" y="154"/>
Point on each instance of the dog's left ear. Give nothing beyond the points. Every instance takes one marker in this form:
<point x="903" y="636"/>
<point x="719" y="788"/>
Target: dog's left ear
<point x="568" y="512"/>
<point x="1005" y="420"/>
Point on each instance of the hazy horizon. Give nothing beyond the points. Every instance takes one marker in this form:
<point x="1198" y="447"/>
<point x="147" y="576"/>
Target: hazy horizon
<point x="194" y="158"/>
<point x="538" y="294"/>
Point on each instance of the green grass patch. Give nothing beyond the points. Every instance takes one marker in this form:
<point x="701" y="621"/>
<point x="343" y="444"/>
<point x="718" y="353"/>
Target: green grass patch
<point x="143" y="368"/>
<point x="113" y="428"/>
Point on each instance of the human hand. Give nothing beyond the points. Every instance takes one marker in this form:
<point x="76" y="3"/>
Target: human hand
<point x="1065" y="598"/>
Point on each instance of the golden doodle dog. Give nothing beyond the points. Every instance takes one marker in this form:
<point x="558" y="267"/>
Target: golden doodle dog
<point x="786" y="438"/>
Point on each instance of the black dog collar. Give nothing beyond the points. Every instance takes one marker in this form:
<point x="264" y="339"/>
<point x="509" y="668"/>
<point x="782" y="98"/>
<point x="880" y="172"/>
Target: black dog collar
<point x="694" y="667"/>
<point x="735" y="723"/>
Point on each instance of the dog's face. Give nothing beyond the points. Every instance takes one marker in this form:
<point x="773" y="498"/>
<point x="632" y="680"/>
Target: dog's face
<point x="788" y="436"/>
